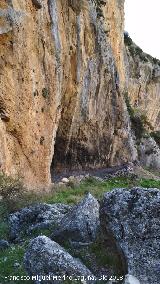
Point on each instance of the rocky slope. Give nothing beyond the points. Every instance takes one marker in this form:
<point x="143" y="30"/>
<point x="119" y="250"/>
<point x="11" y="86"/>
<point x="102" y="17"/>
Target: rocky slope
<point x="62" y="81"/>
<point x="102" y="228"/>
<point x="92" y="241"/>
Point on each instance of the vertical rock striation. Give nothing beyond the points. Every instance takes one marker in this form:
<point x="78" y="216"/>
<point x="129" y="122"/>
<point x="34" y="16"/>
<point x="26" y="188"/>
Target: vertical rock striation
<point x="61" y="77"/>
<point x="93" y="130"/>
<point x="28" y="97"/>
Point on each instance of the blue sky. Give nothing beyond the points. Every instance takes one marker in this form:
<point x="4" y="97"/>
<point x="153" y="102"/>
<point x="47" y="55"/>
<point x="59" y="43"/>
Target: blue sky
<point x="142" y="22"/>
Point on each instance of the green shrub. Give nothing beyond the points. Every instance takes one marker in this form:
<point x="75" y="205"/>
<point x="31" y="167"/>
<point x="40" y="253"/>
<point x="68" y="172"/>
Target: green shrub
<point x="134" y="50"/>
<point x="138" y="127"/>
<point x="137" y="51"/>
<point x="139" y="121"/>
<point x="156" y="61"/>
<point x="9" y="186"/>
<point x="156" y="136"/>
<point x="11" y="190"/>
<point x="128" y="104"/>
<point x="127" y="40"/>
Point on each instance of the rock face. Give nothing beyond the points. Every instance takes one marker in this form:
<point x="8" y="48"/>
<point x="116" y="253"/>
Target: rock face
<point x="143" y="82"/>
<point x="40" y="216"/>
<point x="46" y="258"/>
<point x="149" y="154"/>
<point x="61" y="77"/>
<point x="62" y="80"/>
<point x="143" y="93"/>
<point x="91" y="106"/>
<point x="81" y="224"/>
<point x="132" y="218"/>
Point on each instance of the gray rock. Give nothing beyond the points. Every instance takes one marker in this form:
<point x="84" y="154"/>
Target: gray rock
<point x="132" y="217"/>
<point x="81" y="224"/>
<point x="46" y="257"/>
<point x="39" y="216"/>
<point x="129" y="279"/>
<point x="4" y="244"/>
<point x="126" y="171"/>
<point x="11" y="17"/>
<point x="149" y="154"/>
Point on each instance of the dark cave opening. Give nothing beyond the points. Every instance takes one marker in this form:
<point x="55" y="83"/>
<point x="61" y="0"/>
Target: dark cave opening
<point x="60" y="160"/>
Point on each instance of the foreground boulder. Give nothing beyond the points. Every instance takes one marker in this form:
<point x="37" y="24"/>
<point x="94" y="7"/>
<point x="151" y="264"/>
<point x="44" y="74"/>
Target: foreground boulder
<point x="39" y="216"/>
<point x="81" y="224"/>
<point x="132" y="217"/>
<point x="47" y="258"/>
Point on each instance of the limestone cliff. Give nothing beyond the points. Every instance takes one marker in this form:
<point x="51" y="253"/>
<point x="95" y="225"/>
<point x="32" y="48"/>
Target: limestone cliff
<point x="93" y="130"/>
<point x="60" y="82"/>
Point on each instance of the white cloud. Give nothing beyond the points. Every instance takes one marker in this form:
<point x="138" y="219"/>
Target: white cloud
<point x="142" y="21"/>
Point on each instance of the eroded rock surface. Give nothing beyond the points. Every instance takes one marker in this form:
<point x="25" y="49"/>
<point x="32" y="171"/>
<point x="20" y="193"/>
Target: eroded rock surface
<point x="81" y="224"/>
<point x="149" y="154"/>
<point x="131" y="218"/>
<point x="61" y="77"/>
<point x="143" y="82"/>
<point x="46" y="257"/>
<point x="40" y="216"/>
<point x="64" y="73"/>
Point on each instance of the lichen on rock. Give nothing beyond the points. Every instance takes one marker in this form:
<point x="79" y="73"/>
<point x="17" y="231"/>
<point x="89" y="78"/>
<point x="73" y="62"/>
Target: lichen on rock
<point x="47" y="258"/>
<point x="131" y="219"/>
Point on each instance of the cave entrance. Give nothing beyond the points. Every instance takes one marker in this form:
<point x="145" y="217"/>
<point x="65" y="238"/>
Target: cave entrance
<point x="60" y="162"/>
<point x="70" y="156"/>
<point x="65" y="154"/>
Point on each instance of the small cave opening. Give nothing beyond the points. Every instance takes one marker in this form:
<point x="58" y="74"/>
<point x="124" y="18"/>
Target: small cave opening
<point x="70" y="157"/>
<point x="60" y="160"/>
